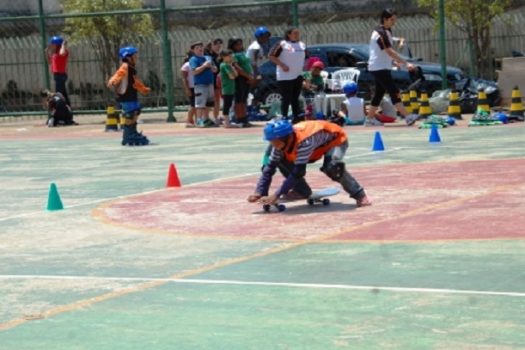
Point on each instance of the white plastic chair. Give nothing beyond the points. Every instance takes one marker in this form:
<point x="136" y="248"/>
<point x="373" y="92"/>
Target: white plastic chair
<point x="341" y="77"/>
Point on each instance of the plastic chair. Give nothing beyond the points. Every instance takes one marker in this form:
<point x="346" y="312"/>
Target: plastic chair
<point x="340" y="77"/>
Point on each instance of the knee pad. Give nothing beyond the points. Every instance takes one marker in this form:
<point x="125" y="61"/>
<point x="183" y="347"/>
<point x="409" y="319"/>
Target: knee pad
<point x="334" y="171"/>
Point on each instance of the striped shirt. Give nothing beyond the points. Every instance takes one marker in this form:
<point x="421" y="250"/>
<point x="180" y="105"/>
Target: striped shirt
<point x="304" y="152"/>
<point x="306" y="147"/>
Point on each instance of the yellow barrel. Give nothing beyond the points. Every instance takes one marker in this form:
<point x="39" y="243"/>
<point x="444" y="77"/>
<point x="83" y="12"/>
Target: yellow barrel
<point x="483" y="103"/>
<point x="424" y="107"/>
<point x="413" y="101"/>
<point x="454" y="110"/>
<point x="112" y="120"/>
<point x="516" y="106"/>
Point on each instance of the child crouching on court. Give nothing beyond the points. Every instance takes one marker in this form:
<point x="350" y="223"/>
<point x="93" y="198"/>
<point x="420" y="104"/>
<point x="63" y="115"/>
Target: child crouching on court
<point x="59" y="111"/>
<point x="126" y="84"/>
<point x="353" y="108"/>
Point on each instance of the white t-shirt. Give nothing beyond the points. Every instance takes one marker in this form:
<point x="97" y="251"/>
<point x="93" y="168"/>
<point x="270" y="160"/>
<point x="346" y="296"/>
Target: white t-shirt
<point x="187" y="68"/>
<point x="380" y="40"/>
<point x="355" y="108"/>
<point x="256" y="54"/>
<point x="293" y="55"/>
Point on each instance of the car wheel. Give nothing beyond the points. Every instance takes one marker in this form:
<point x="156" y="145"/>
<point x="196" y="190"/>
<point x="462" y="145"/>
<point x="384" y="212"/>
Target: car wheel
<point x="272" y="97"/>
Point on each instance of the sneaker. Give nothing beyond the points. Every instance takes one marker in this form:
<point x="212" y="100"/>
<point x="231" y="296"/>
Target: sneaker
<point x="364" y="201"/>
<point x="411" y="118"/>
<point x="208" y="123"/>
<point x="372" y="122"/>
<point x="247" y="124"/>
<point x="51" y="122"/>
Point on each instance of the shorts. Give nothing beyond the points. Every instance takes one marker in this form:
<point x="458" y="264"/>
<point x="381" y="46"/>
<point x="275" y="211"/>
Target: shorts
<point x="242" y="89"/>
<point x="204" y="95"/>
<point x="129" y="109"/>
<point x="192" y="97"/>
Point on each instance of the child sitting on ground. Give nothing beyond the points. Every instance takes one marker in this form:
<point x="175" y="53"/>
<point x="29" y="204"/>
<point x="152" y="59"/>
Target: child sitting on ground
<point x="59" y="111"/>
<point x="353" y="109"/>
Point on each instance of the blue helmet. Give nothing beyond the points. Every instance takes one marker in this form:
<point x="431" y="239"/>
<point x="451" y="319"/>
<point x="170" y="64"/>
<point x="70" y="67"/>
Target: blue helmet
<point x="502" y="117"/>
<point x="350" y="88"/>
<point x="261" y="31"/>
<point x="277" y="129"/>
<point x="127" y="51"/>
<point x="56" y="40"/>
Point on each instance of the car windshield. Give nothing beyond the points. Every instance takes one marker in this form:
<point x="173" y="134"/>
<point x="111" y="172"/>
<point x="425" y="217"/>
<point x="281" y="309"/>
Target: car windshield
<point x="362" y="49"/>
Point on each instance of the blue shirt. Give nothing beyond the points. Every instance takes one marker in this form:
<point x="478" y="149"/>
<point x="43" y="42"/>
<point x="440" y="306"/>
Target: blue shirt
<point x="206" y="76"/>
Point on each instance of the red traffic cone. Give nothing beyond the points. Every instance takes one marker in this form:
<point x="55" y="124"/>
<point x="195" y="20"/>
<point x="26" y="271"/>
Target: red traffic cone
<point x="173" y="177"/>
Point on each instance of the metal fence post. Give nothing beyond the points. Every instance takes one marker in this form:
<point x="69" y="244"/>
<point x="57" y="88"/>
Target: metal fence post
<point x="295" y="13"/>
<point x="442" y="45"/>
<point x="166" y="53"/>
<point x="43" y="38"/>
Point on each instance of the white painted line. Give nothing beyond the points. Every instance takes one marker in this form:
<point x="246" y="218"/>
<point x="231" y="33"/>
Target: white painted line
<point x="266" y="284"/>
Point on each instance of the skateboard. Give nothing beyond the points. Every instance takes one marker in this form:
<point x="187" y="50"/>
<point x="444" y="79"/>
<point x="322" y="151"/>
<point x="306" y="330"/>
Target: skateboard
<point x="316" y="197"/>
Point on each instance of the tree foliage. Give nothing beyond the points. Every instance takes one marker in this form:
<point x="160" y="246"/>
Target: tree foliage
<point x="106" y="34"/>
<point x="473" y="17"/>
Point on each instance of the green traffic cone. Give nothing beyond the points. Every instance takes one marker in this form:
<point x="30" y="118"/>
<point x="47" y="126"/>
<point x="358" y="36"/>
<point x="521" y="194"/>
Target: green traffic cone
<point x="53" y="201"/>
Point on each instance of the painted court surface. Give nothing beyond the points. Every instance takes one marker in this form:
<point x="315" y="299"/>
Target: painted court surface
<point x="436" y="263"/>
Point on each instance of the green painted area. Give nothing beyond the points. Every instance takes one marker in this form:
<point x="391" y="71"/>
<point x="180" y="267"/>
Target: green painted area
<point x="449" y="265"/>
<point x="91" y="171"/>
<point x="178" y="316"/>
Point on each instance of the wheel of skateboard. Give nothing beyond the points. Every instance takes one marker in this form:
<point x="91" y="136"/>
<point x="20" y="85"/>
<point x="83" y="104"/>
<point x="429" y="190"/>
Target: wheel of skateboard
<point x="326" y="201"/>
<point x="310" y="201"/>
<point x="281" y="207"/>
<point x="266" y="208"/>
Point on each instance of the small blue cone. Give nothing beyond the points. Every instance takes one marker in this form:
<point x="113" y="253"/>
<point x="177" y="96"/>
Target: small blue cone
<point x="54" y="202"/>
<point x="378" y="143"/>
<point x="434" y="135"/>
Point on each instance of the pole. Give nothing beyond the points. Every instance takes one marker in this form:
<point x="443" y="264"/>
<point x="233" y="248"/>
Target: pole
<point x="43" y="39"/>
<point x="442" y="45"/>
<point x="166" y="53"/>
<point x="295" y="13"/>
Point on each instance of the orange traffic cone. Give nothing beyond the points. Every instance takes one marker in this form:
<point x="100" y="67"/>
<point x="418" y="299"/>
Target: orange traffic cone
<point x="173" y="177"/>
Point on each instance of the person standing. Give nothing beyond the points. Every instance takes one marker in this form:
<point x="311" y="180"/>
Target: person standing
<point x="188" y="86"/>
<point x="289" y="55"/>
<point x="256" y="51"/>
<point x="57" y="56"/>
<point x="127" y="85"/>
<point x="382" y="57"/>
<point x="213" y="49"/>
<point x="203" y="70"/>
<point x="243" y="82"/>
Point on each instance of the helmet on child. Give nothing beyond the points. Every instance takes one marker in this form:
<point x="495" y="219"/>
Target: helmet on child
<point x="127" y="51"/>
<point x="350" y="88"/>
<point x="502" y="117"/>
<point x="261" y="31"/>
<point x="56" y="40"/>
<point x="277" y="129"/>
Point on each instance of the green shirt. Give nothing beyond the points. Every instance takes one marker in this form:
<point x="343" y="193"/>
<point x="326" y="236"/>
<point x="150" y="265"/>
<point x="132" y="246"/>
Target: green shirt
<point x="243" y="61"/>
<point x="317" y="80"/>
<point x="228" y="84"/>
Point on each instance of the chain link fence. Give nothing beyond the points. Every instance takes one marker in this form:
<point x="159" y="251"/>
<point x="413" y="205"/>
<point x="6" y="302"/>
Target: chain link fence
<point x="162" y="46"/>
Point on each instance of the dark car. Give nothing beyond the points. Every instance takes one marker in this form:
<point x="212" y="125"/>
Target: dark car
<point x="343" y="55"/>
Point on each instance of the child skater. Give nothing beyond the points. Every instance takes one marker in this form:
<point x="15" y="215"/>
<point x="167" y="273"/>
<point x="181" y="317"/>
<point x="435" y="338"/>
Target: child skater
<point x="126" y="84"/>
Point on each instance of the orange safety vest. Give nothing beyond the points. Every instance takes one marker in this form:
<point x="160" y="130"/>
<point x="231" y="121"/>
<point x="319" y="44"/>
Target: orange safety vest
<point x="306" y="129"/>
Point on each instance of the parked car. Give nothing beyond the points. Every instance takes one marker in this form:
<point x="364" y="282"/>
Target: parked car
<point x="343" y="55"/>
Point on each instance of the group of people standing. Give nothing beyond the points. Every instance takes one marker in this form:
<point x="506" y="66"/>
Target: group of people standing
<point x="212" y="72"/>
